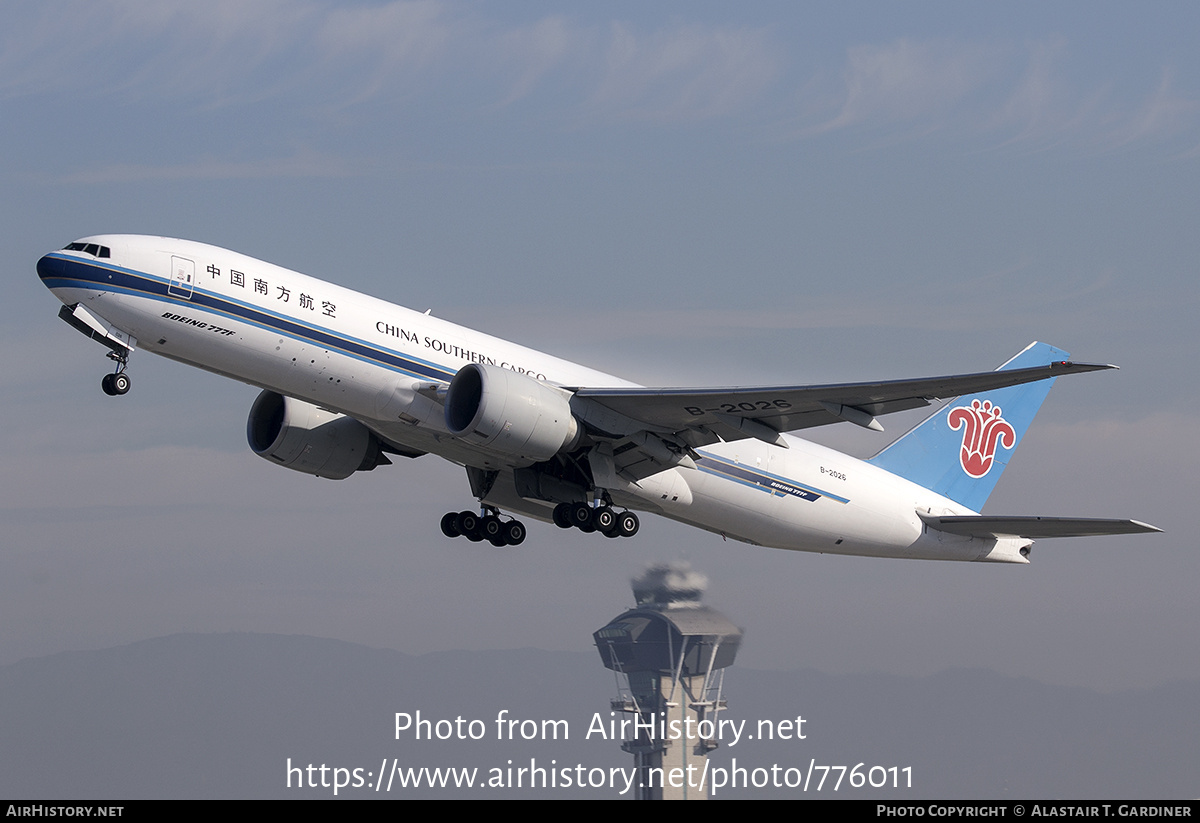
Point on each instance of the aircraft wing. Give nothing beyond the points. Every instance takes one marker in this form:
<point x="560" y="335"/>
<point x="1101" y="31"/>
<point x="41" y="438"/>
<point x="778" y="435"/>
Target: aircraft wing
<point x="1033" y="527"/>
<point x="736" y="413"/>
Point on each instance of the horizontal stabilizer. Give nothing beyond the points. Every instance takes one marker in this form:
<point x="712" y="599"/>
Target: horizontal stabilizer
<point x="1033" y="527"/>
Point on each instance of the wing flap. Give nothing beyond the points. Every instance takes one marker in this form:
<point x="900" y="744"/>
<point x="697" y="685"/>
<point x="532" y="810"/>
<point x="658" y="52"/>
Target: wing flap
<point x="1033" y="527"/>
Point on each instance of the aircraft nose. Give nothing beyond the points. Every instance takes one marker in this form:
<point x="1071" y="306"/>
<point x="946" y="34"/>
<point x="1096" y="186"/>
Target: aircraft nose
<point x="50" y="267"/>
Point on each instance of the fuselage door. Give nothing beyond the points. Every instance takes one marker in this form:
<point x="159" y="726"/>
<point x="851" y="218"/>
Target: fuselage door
<point x="183" y="278"/>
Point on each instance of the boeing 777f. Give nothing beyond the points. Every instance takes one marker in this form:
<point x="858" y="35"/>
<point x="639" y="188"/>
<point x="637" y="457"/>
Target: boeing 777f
<point x="349" y="381"/>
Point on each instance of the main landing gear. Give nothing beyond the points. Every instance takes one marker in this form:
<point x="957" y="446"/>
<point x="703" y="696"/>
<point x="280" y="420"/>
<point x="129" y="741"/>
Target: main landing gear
<point x="488" y="527"/>
<point x="599" y="519"/>
<point x="117" y="383"/>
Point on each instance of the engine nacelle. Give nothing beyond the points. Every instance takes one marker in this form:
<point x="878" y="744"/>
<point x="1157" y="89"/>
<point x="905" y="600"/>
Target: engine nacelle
<point x="509" y="414"/>
<point x="303" y="437"/>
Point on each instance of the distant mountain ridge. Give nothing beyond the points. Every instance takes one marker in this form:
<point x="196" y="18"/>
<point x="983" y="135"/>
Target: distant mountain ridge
<point x="219" y="716"/>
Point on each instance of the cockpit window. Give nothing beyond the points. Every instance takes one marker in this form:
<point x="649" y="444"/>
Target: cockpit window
<point x="94" y="249"/>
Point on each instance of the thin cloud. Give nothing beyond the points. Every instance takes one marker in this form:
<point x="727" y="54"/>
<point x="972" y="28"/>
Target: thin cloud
<point x="685" y="73"/>
<point x="1039" y="109"/>
<point x="533" y="52"/>
<point x="909" y="82"/>
<point x="311" y="58"/>
<point x="1164" y="113"/>
<point x="1009" y="96"/>
<point x="300" y="165"/>
<point x="385" y="45"/>
<point x="227" y="53"/>
<point x="136" y="48"/>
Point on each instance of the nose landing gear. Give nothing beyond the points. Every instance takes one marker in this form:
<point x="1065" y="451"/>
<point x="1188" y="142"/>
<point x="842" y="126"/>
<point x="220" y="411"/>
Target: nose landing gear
<point x="118" y="382"/>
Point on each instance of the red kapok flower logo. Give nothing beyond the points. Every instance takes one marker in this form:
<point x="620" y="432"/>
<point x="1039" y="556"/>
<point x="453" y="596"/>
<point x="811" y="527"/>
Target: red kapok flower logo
<point x="983" y="428"/>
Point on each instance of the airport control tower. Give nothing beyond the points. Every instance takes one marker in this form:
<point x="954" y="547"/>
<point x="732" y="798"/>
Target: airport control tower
<point x="669" y="653"/>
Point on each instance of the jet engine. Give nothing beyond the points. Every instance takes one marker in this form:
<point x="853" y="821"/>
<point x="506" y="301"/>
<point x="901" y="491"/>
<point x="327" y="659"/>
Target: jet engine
<point x="309" y="439"/>
<point x="510" y="414"/>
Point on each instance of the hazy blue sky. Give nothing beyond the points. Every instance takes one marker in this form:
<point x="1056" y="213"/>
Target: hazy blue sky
<point x="679" y="193"/>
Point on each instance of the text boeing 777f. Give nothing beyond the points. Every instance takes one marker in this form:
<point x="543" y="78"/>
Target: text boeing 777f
<point x="348" y="380"/>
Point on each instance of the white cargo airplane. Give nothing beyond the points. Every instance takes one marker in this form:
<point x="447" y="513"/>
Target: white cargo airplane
<point x="348" y="380"/>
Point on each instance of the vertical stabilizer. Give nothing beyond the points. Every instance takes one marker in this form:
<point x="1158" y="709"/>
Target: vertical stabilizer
<point x="960" y="450"/>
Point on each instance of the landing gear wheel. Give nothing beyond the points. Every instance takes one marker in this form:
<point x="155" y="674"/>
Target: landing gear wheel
<point x="603" y="519"/>
<point x="115" y="384"/>
<point x="581" y="517"/>
<point x="562" y="515"/>
<point x="514" y="532"/>
<point x="492" y="529"/>
<point x="468" y="526"/>
<point x="450" y="524"/>
<point x="627" y="524"/>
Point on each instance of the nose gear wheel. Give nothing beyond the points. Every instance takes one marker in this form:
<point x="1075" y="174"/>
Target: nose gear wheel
<point x="118" y="382"/>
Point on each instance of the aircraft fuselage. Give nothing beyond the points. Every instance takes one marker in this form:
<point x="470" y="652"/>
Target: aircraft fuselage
<point x="382" y="364"/>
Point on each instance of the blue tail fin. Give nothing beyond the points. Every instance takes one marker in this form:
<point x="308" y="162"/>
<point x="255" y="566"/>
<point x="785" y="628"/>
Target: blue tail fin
<point x="960" y="450"/>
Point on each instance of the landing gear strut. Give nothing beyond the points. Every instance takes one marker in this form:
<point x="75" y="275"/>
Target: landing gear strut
<point x="489" y="527"/>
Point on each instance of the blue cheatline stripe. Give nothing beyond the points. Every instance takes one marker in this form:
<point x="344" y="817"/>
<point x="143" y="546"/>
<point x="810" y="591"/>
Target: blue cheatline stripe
<point x="83" y="274"/>
<point x="763" y="481"/>
<point x="108" y="277"/>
